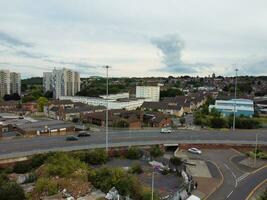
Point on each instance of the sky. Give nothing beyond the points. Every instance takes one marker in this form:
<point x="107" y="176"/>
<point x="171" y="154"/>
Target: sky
<point x="136" y="38"/>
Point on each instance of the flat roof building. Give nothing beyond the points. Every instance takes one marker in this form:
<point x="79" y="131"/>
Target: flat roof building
<point x="244" y="107"/>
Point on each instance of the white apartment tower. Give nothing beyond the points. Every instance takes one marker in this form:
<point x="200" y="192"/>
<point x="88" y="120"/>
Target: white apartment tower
<point x="10" y="83"/>
<point x="63" y="82"/>
<point x="148" y="92"/>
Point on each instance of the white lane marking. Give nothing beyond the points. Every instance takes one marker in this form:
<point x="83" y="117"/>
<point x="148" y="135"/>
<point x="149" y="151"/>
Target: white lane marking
<point x="242" y="177"/>
<point x="226" y="166"/>
<point x="233" y="174"/>
<point x="229" y="194"/>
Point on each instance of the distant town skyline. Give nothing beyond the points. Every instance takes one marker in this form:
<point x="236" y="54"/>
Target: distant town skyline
<point x="138" y="39"/>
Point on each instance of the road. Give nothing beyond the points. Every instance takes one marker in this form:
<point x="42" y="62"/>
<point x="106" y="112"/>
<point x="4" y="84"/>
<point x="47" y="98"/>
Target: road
<point x="28" y="146"/>
<point x="248" y="184"/>
<point x="229" y="171"/>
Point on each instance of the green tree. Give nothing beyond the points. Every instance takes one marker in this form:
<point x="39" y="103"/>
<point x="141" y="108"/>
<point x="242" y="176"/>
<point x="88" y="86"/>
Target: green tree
<point x="156" y="151"/>
<point x="28" y="98"/>
<point x="134" y="153"/>
<point x="218" y="122"/>
<point x="182" y="121"/>
<point x="42" y="101"/>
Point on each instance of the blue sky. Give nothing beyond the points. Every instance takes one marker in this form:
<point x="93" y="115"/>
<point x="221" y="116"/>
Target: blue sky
<point x="136" y="38"/>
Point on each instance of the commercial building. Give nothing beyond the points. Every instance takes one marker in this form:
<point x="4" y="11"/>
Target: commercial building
<point x="63" y="82"/>
<point x="125" y="95"/>
<point x="128" y="104"/>
<point x="148" y="92"/>
<point x="243" y="107"/>
<point x="10" y="82"/>
<point x="51" y="127"/>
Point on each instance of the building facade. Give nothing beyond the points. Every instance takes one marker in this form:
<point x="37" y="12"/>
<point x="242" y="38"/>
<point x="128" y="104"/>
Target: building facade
<point x="64" y="82"/>
<point x="10" y="83"/>
<point x="130" y="104"/>
<point x="15" y="83"/>
<point x="148" y="92"/>
<point x="243" y="107"/>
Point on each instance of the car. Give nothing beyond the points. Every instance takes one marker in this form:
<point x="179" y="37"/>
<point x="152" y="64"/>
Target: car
<point x="72" y="138"/>
<point x="165" y="130"/>
<point x="84" y="134"/>
<point x="195" y="151"/>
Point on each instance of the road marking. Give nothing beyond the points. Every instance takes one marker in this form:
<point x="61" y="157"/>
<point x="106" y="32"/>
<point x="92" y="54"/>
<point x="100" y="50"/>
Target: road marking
<point x="233" y="174"/>
<point x="235" y="183"/>
<point x="242" y="177"/>
<point x="226" y="166"/>
<point x="229" y="194"/>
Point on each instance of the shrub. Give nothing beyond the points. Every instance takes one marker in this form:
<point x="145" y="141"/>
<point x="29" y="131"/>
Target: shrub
<point x="134" y="153"/>
<point x="46" y="186"/>
<point x="218" y="122"/>
<point x="62" y="165"/>
<point x="10" y="190"/>
<point x="105" y="178"/>
<point x="247" y="123"/>
<point x="156" y="151"/>
<point x="96" y="157"/>
<point x="136" y="168"/>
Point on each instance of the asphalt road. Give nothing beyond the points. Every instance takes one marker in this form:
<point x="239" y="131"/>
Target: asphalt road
<point x="10" y="148"/>
<point x="248" y="184"/>
<point x="228" y="170"/>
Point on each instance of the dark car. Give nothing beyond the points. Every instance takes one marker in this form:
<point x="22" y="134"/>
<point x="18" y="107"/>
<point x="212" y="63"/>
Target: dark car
<point x="84" y="134"/>
<point x="72" y="138"/>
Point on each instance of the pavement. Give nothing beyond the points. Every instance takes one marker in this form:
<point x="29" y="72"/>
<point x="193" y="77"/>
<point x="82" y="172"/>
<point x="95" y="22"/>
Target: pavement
<point x="28" y="146"/>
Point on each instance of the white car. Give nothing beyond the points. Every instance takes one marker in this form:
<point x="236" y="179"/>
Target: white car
<point x="166" y="130"/>
<point x="195" y="151"/>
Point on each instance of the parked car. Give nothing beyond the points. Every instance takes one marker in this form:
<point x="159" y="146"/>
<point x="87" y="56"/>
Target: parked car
<point x="84" y="134"/>
<point x="72" y="138"/>
<point x="195" y="151"/>
<point x="166" y="130"/>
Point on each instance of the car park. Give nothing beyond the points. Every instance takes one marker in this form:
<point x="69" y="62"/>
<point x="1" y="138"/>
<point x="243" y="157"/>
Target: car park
<point x="72" y="138"/>
<point x="195" y="151"/>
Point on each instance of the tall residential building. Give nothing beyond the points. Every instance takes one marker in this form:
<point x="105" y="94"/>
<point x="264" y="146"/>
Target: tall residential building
<point x="63" y="82"/>
<point x="47" y="81"/>
<point x="10" y="82"/>
<point x="148" y="92"/>
<point x="15" y="83"/>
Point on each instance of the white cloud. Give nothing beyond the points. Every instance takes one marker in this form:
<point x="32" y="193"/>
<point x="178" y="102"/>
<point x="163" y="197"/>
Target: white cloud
<point x="119" y="33"/>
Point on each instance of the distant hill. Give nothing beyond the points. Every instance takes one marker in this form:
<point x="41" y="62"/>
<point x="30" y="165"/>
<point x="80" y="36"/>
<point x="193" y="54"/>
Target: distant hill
<point x="32" y="81"/>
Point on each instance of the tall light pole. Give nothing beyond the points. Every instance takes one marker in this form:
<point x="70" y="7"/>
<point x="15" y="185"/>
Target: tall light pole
<point x="236" y="70"/>
<point x="256" y="146"/>
<point x="152" y="184"/>
<point x="107" y="67"/>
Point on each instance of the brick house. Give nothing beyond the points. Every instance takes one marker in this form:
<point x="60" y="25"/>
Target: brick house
<point x="9" y="106"/>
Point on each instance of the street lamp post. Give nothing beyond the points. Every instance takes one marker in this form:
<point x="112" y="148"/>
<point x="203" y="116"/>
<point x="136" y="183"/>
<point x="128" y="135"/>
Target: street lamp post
<point x="107" y="67"/>
<point x="152" y="184"/>
<point x="256" y="146"/>
<point x="236" y="70"/>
